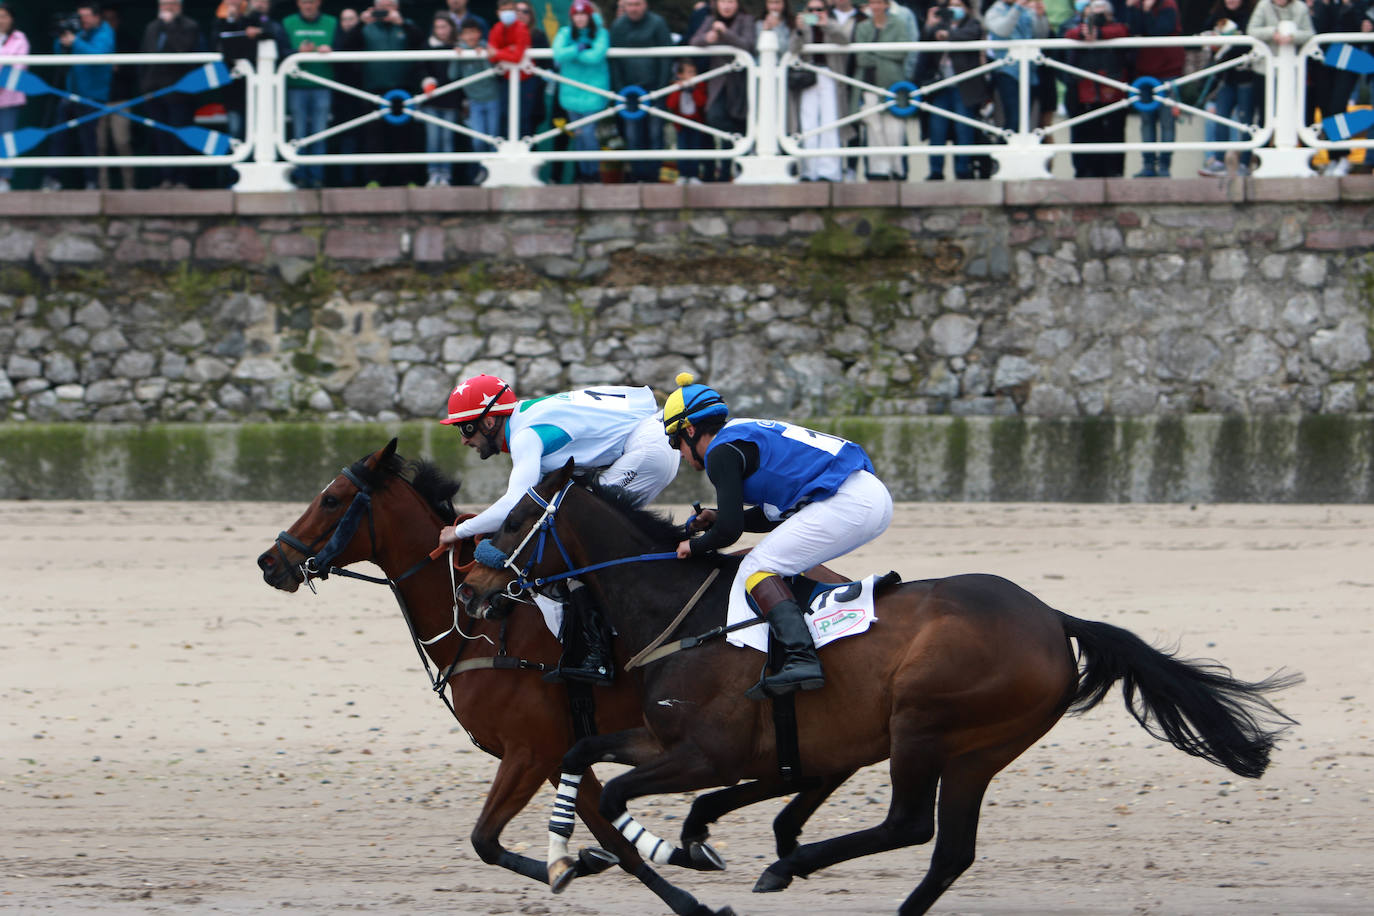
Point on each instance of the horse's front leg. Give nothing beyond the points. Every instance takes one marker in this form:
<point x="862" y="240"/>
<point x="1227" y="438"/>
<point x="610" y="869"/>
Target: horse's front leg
<point x="515" y="784"/>
<point x="626" y="747"/>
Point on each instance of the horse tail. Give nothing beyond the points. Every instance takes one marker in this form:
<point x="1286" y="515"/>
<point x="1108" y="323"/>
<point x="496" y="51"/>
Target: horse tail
<point x="1197" y="706"/>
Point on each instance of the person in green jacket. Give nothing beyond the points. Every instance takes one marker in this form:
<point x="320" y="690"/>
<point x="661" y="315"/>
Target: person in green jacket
<point x="638" y="27"/>
<point x="579" y="50"/>
<point x="881" y="68"/>
<point x="309" y="31"/>
<point x="383" y="28"/>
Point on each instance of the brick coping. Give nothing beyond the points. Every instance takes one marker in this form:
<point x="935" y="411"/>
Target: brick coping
<point x="563" y="198"/>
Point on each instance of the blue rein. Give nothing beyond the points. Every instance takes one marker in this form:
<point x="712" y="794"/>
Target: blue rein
<point x="489" y="555"/>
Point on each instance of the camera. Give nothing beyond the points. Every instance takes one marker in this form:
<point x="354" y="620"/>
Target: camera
<point x="65" y="22"/>
<point x="1097" y="20"/>
<point x="377" y="12"/>
<point x="811" y="18"/>
<point x="944" y="14"/>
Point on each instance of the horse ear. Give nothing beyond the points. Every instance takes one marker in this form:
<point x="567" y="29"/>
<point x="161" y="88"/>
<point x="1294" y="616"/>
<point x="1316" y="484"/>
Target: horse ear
<point x="387" y="452"/>
<point x="565" y="473"/>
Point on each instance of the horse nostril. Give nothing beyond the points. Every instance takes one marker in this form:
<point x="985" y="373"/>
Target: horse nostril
<point x="266" y="563"/>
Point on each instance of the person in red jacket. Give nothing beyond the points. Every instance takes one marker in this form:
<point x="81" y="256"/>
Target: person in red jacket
<point x="689" y="102"/>
<point x="507" y="43"/>
<point x="1154" y="19"/>
<point x="1098" y="24"/>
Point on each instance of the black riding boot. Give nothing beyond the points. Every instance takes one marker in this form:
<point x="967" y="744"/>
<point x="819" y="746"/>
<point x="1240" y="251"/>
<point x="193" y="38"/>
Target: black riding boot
<point x="586" y="643"/>
<point x="801" y="669"/>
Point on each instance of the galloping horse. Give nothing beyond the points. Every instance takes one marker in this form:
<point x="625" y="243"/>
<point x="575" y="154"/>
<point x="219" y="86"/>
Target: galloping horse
<point x="390" y="511"/>
<point x="957" y="678"/>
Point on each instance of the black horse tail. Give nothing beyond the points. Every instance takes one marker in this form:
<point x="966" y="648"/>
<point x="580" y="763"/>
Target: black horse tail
<point x="1197" y="706"/>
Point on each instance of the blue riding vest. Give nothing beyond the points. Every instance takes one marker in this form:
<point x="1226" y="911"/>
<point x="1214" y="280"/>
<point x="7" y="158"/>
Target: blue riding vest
<point x="796" y="465"/>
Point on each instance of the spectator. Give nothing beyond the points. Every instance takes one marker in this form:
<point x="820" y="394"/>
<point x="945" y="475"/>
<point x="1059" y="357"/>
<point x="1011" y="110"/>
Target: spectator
<point x="439" y="139"/>
<point x="847" y="17"/>
<point x="383" y="28"/>
<point x="1329" y="88"/>
<point x="458" y="11"/>
<point x="1099" y="24"/>
<point x="533" y="109"/>
<point x="117" y="133"/>
<point x="819" y="103"/>
<point x="579" y="49"/>
<point x="778" y="19"/>
<point x="13" y="43"/>
<point x="507" y="44"/>
<point x="952" y="21"/>
<point x="640" y="28"/>
<point x="1014" y="20"/>
<point x="343" y="107"/>
<point x="484" y="95"/>
<point x="171" y="32"/>
<point x="1235" y="94"/>
<point x="1156" y="19"/>
<point x="881" y="68"/>
<point x="308" y="31"/>
<point x="92" y="83"/>
<point x="688" y="101"/>
<point x="727" y="95"/>
<point x="237" y="33"/>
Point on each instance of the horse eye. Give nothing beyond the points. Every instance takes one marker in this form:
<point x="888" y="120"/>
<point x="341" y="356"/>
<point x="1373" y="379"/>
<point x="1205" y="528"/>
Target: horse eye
<point x="329" y="501"/>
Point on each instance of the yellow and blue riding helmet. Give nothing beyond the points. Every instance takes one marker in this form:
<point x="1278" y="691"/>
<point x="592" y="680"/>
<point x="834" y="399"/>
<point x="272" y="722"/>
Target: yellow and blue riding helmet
<point x="690" y="403"/>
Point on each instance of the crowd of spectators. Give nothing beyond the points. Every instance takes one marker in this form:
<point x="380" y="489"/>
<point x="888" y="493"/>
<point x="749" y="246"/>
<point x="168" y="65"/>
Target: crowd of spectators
<point x="817" y="95"/>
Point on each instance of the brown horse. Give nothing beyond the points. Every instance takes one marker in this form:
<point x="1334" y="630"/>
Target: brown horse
<point x="390" y="511"/>
<point x="956" y="679"/>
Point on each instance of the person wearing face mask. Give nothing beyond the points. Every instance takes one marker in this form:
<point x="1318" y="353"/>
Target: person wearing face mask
<point x="172" y="32"/>
<point x="507" y="44"/>
<point x="952" y="21"/>
<point x="580" y="49"/>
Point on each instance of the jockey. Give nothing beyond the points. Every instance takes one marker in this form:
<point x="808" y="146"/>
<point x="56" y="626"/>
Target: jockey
<point x="814" y="493"/>
<point x="612" y="429"/>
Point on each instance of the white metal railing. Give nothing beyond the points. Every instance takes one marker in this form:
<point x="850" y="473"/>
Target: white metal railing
<point x="205" y="146"/>
<point x="767" y="150"/>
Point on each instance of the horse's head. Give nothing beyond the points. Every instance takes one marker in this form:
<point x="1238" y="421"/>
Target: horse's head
<point x="522" y="549"/>
<point x="340" y="526"/>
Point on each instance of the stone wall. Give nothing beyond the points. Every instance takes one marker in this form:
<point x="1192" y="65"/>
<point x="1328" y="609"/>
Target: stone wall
<point x="1041" y="299"/>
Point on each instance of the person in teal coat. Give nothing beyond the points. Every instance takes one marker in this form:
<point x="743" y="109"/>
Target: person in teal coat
<point x="579" y="50"/>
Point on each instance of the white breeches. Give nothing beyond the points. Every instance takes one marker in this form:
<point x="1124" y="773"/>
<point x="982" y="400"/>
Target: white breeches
<point x="858" y="512"/>
<point x="819" y="105"/>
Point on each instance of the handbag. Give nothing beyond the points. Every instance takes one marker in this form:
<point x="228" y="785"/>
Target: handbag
<point x="799" y="79"/>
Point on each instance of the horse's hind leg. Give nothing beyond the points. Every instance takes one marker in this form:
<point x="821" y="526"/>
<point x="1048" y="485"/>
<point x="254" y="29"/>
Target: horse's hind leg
<point x="910" y="820"/>
<point x="961" y="795"/>
<point x="707" y="809"/>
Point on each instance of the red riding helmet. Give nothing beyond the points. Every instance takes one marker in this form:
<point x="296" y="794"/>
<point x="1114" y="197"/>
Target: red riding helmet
<point x="474" y="399"/>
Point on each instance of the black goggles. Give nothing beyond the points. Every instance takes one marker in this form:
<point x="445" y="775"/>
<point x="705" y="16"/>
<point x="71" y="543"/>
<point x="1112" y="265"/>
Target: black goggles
<point x="468" y="428"/>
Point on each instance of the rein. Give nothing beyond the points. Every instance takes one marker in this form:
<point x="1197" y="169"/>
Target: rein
<point x="491" y="556"/>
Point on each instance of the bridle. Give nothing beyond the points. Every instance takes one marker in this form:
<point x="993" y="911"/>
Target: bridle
<point x="319" y="565"/>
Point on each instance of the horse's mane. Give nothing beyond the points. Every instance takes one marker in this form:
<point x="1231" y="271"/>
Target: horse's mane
<point x="425" y="477"/>
<point x="656" y="526"/>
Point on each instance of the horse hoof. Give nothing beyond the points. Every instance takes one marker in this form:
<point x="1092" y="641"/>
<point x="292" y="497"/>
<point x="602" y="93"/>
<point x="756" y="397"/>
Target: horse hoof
<point x="772" y="880"/>
<point x="725" y="911"/>
<point x="561" y="874"/>
<point x="704" y="858"/>
<point x="594" y="860"/>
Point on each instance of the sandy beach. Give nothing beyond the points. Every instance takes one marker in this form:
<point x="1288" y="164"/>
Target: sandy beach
<point x="177" y="737"/>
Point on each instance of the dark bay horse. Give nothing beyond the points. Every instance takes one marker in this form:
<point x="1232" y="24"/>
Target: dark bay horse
<point x="389" y="511"/>
<point x="956" y="679"/>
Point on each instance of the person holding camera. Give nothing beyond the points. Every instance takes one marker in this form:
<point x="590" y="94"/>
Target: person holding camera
<point x="237" y="33"/>
<point x="87" y="33"/>
<point x="13" y="43"/>
<point x="952" y="20"/>
<point x="381" y="27"/>
<point x="1098" y="23"/>
<point x="1014" y="20"/>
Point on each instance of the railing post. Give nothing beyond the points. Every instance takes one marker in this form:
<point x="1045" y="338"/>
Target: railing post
<point x="1286" y="159"/>
<point x="264" y="172"/>
<point x="514" y="164"/>
<point x="1021" y="158"/>
<point x="766" y="166"/>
